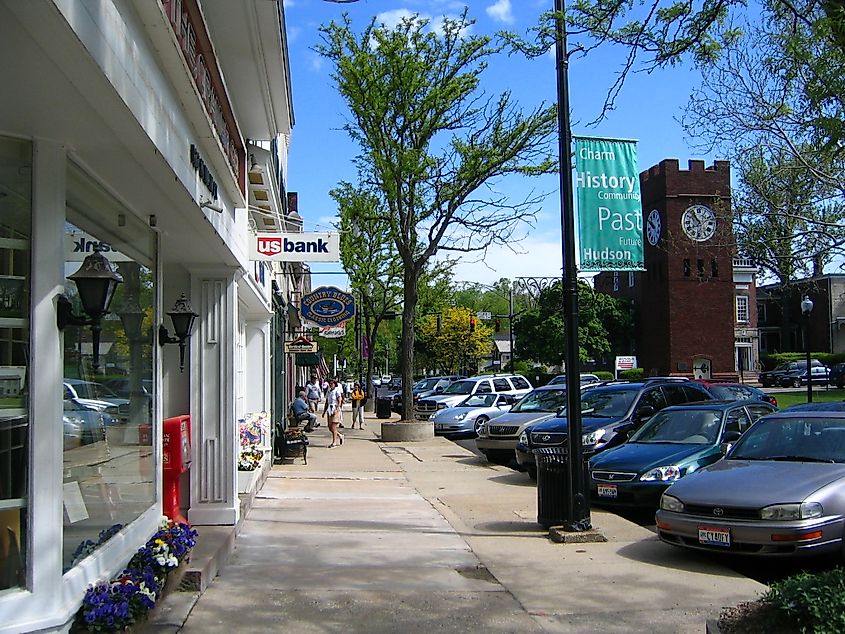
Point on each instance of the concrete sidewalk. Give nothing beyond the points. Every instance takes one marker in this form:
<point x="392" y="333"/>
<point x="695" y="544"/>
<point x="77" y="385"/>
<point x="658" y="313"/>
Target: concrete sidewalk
<point x="419" y="537"/>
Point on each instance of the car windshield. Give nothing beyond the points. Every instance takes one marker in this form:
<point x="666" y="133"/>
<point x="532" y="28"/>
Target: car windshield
<point x="794" y="439"/>
<point x="460" y="387"/>
<point x="541" y="401"/>
<point x="600" y="403"/>
<point x="91" y="390"/>
<point x="687" y="426"/>
<point x="425" y="384"/>
<point x="479" y="400"/>
<point x="731" y="392"/>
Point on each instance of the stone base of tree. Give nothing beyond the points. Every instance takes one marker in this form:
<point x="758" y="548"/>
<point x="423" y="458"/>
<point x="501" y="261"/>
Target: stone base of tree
<point x="406" y="431"/>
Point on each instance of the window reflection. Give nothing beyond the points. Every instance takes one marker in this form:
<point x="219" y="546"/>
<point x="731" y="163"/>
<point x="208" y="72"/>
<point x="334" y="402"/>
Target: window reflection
<point x="108" y="459"/>
<point x="15" y="223"/>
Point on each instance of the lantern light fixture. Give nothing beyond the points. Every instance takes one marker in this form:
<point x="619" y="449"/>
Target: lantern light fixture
<point x="182" y="316"/>
<point x="96" y="282"/>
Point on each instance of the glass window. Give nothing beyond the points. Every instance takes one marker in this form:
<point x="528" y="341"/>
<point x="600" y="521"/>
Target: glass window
<point x="109" y="466"/>
<point x="519" y="383"/>
<point x="652" y="398"/>
<point x="15" y="234"/>
<point x="483" y="388"/>
<point x="737" y="421"/>
<point x="674" y="394"/>
<point x="501" y="385"/>
<point x="694" y="393"/>
<point x="742" y="309"/>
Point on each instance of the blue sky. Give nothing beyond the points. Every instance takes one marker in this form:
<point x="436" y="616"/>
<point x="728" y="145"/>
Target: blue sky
<point x="321" y="153"/>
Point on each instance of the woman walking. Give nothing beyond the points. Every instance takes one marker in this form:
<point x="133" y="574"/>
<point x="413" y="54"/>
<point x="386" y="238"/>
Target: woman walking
<point x="357" y="406"/>
<point x="334" y="402"/>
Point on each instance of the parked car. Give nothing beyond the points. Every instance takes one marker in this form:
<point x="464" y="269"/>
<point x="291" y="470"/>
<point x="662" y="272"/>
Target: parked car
<point x="87" y="423"/>
<point x="94" y="395"/>
<point x="779" y="491"/>
<point x="798" y="376"/>
<point x="790" y="373"/>
<point x="609" y="413"/>
<point x="425" y="387"/>
<point x="513" y="384"/>
<point x="121" y="386"/>
<point x="675" y="442"/>
<point x="497" y="439"/>
<point x="736" y="392"/>
<point x="819" y="406"/>
<point x="586" y="379"/>
<point x="836" y="375"/>
<point x="463" y="420"/>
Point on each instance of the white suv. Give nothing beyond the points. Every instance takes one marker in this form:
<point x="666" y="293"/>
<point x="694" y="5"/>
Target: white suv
<point x="514" y="384"/>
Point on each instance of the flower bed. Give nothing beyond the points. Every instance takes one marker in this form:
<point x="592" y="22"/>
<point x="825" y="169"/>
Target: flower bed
<point x="111" y="606"/>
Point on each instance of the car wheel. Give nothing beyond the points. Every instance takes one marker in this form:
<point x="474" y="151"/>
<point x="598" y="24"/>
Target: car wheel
<point x="796" y="382"/>
<point x="479" y="422"/>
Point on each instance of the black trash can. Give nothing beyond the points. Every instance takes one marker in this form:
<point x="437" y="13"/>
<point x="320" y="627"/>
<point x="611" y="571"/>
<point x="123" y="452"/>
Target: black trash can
<point x="383" y="407"/>
<point x="552" y="479"/>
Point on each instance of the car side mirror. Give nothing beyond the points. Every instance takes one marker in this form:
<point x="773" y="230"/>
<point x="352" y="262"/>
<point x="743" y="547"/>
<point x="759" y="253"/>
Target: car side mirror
<point x="730" y="436"/>
<point x="725" y="447"/>
<point x="438" y="389"/>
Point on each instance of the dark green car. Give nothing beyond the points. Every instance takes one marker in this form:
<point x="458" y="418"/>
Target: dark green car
<point x="674" y="442"/>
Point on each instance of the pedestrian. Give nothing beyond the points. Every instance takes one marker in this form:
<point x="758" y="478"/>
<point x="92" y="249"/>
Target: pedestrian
<point x="314" y="392"/>
<point x="302" y="413"/>
<point x="357" y="406"/>
<point x="332" y="412"/>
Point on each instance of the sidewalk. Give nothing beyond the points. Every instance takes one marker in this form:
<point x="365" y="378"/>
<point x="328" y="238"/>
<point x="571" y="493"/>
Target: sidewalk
<point x="420" y="537"/>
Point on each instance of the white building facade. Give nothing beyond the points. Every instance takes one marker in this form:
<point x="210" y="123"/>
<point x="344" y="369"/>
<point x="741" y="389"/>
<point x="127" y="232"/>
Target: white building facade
<point x="130" y="129"/>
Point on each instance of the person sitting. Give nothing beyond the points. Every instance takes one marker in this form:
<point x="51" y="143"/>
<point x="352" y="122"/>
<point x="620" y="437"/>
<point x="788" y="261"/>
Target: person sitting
<point x="301" y="413"/>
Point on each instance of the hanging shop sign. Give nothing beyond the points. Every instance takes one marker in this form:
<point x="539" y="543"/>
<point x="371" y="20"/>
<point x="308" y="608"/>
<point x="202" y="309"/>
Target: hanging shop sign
<point x="300" y="344"/>
<point x="328" y="306"/>
<point x="610" y="218"/>
<point x="295" y="247"/>
<point x="333" y="332"/>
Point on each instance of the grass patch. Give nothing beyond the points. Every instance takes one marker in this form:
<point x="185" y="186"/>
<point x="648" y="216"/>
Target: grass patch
<point x="820" y="393"/>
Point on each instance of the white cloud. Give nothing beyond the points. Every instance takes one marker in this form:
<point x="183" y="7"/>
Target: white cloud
<point x="316" y="63"/>
<point x="391" y="19"/>
<point x="501" y="11"/>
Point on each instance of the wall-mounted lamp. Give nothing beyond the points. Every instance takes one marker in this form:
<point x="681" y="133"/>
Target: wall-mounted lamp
<point x="182" y="316"/>
<point x="210" y="204"/>
<point x="96" y="282"/>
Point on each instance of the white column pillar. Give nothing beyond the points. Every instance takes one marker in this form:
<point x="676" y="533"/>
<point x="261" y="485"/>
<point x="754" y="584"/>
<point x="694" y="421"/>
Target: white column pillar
<point x="214" y="482"/>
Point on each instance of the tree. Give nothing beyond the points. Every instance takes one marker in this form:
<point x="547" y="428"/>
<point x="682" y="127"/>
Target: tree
<point x="457" y="344"/>
<point x="542" y="335"/>
<point x="370" y="259"/>
<point x="431" y="142"/>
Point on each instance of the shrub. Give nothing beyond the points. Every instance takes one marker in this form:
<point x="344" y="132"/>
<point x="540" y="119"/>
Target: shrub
<point x="815" y="601"/>
<point x="604" y="375"/>
<point x="634" y="374"/>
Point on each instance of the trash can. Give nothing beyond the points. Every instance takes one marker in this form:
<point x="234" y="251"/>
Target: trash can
<point x="383" y="407"/>
<point x="552" y="478"/>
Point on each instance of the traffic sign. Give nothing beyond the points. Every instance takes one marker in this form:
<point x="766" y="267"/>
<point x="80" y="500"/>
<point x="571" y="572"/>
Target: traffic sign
<point x="484" y="315"/>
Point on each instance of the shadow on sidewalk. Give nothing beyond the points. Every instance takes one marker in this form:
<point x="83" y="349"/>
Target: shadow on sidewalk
<point x="517" y="478"/>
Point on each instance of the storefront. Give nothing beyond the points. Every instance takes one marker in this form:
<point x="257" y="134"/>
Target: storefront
<point x="110" y="146"/>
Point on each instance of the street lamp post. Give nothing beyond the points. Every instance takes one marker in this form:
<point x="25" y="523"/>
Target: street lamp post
<point x="806" y="309"/>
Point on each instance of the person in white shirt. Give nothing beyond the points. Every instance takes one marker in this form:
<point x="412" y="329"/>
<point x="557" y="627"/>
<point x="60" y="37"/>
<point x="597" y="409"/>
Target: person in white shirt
<point x="332" y="411"/>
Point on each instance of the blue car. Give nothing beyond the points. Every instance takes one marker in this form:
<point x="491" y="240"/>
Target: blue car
<point x="676" y="441"/>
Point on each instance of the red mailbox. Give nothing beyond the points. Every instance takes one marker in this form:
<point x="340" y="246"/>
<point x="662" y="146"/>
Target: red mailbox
<point x="176" y="459"/>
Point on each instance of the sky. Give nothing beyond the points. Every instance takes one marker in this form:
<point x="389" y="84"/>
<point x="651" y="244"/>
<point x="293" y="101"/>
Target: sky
<point x="321" y="153"/>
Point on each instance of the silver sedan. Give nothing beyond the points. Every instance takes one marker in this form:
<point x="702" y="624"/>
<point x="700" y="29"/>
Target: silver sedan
<point x="464" y="419"/>
<point x="779" y="491"/>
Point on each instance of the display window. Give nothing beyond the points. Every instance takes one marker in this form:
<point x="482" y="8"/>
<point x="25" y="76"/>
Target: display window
<point x="15" y="237"/>
<point x="108" y="387"/>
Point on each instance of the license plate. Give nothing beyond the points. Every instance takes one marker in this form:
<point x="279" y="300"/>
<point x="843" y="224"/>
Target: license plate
<point x="607" y="491"/>
<point x="439" y="426"/>
<point x="714" y="536"/>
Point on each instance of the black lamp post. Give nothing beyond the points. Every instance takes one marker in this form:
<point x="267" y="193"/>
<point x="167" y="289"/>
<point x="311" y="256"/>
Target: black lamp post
<point x="183" y="317"/>
<point x="96" y="282"/>
<point x="806" y="309"/>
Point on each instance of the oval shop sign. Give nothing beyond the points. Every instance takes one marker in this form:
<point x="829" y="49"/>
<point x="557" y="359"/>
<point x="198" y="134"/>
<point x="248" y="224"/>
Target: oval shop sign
<point x="328" y="306"/>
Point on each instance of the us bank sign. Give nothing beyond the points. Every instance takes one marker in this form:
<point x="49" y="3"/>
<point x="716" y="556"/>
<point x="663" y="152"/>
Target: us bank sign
<point x="295" y="247"/>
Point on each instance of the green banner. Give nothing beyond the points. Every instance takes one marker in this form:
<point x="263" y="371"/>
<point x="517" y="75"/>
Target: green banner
<point x="610" y="219"/>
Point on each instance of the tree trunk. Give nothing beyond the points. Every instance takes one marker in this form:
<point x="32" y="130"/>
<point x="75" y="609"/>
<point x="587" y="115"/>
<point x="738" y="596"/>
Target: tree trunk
<point x="406" y="354"/>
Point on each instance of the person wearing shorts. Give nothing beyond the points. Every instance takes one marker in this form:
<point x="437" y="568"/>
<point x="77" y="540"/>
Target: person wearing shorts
<point x="332" y="411"/>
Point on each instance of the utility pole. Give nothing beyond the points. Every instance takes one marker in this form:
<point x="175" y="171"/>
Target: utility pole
<point x="510" y="328"/>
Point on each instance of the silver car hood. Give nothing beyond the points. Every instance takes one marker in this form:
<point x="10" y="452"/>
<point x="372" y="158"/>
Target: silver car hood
<point x="755" y="483"/>
<point x="522" y="418"/>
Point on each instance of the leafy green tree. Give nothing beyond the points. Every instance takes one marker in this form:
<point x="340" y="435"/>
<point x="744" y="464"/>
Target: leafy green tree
<point x="541" y="330"/>
<point x="431" y="140"/>
<point x="459" y="342"/>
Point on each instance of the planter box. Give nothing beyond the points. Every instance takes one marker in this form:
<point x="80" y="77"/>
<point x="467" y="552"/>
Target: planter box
<point x="407" y="431"/>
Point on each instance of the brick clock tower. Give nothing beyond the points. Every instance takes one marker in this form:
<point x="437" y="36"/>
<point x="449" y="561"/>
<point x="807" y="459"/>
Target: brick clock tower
<point x="686" y="295"/>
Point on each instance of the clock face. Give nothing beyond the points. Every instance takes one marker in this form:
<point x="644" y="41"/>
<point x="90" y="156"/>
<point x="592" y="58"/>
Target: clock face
<point x="699" y="223"/>
<point x="653" y="227"/>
